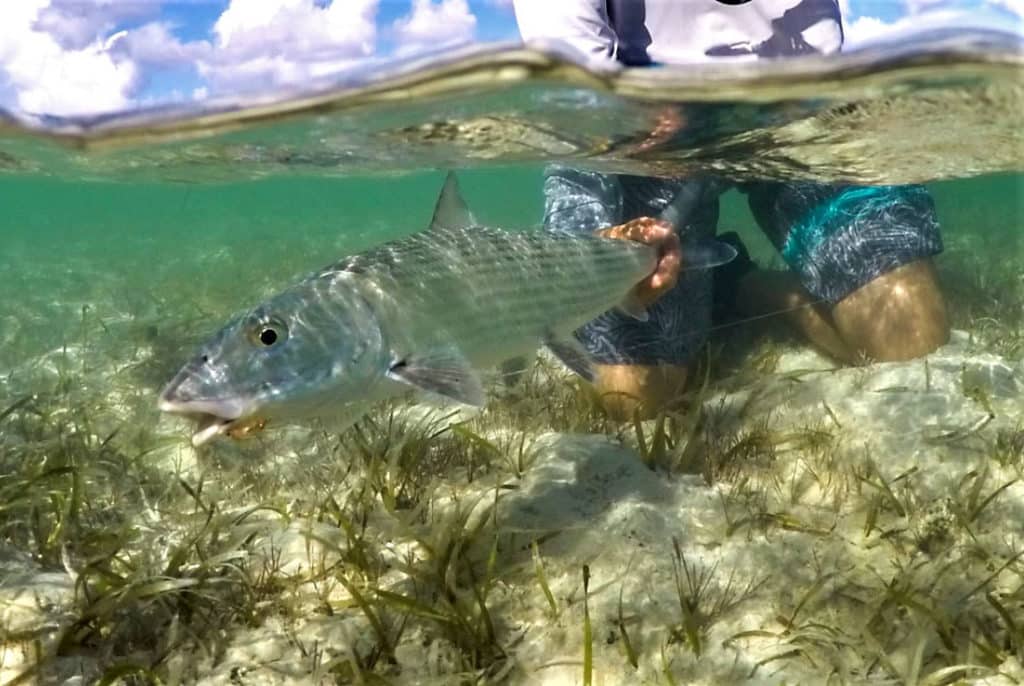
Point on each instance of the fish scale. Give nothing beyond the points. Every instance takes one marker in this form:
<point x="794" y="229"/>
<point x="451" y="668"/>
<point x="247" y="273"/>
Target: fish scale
<point x="511" y="289"/>
<point x="426" y="312"/>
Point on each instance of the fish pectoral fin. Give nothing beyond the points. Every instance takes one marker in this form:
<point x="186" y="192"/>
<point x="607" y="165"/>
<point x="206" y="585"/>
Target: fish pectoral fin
<point x="445" y="372"/>
<point x="570" y="353"/>
<point x="707" y="253"/>
<point x="451" y="211"/>
<point x="631" y="305"/>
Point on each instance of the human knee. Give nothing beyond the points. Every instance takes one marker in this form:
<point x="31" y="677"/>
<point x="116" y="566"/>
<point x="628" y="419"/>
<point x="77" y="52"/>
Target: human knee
<point x="900" y="315"/>
<point x="628" y="391"/>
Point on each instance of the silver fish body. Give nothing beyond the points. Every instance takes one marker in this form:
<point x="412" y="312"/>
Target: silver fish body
<point x="421" y="312"/>
<point x="493" y="294"/>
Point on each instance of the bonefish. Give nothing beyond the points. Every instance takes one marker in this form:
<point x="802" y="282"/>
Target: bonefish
<point x="425" y="312"/>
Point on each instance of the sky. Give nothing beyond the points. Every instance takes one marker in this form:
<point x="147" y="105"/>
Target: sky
<point x="70" y="57"/>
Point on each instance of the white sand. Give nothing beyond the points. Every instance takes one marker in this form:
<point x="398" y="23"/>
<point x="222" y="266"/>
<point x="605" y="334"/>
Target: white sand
<point x="592" y="501"/>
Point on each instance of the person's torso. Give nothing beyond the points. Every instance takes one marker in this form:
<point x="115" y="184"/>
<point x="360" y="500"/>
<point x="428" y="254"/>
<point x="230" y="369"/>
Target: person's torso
<point x="685" y="31"/>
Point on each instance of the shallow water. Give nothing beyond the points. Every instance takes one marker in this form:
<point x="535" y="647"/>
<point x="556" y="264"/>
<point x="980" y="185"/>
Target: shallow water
<point x="120" y="249"/>
<point x="863" y="494"/>
<point x="884" y="114"/>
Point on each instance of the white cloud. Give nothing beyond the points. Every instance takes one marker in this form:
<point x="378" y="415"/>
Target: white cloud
<point x="46" y="76"/>
<point x="153" y="43"/>
<point x="919" y="6"/>
<point x="261" y="42"/>
<point x="258" y="44"/>
<point x="433" y="25"/>
<point x="864" y="30"/>
<point x="1014" y="6"/>
<point x="58" y="57"/>
<point x="75" y="24"/>
<point x="867" y="29"/>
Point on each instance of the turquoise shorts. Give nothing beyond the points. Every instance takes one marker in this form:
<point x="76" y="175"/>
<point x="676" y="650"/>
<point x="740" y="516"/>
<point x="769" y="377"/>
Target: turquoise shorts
<point x="835" y="239"/>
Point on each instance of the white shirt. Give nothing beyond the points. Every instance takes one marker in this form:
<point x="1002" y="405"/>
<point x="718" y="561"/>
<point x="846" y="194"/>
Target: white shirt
<point x="637" y="32"/>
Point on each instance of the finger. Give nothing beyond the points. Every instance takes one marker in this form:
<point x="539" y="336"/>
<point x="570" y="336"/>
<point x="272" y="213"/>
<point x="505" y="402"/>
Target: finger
<point x="670" y="260"/>
<point x="642" y="229"/>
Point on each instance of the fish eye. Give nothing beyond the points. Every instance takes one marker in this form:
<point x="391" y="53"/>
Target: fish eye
<point x="269" y="332"/>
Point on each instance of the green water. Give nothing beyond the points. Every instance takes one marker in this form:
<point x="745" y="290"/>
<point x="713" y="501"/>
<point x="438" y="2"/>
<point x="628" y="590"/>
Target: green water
<point x="124" y="221"/>
<point x="150" y="254"/>
<point x="108" y="288"/>
<point x="117" y="247"/>
<point x="876" y="509"/>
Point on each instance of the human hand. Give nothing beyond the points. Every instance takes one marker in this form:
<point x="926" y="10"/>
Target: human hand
<point x="669" y="122"/>
<point x="660" y="235"/>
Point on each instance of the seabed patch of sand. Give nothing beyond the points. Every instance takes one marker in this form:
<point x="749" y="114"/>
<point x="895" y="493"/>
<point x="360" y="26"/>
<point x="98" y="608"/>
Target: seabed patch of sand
<point x="832" y="525"/>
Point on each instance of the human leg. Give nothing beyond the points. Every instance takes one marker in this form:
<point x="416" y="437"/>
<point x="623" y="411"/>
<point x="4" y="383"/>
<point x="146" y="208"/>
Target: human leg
<point x="641" y="366"/>
<point x="862" y="283"/>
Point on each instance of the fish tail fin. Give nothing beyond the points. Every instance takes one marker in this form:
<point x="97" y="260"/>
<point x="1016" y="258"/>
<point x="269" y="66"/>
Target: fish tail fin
<point x="681" y="207"/>
<point x="706" y="253"/>
<point x="697" y="254"/>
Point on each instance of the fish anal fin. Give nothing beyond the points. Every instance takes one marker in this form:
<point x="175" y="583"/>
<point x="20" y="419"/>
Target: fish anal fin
<point x="633" y="306"/>
<point x="570" y="353"/>
<point x="451" y="210"/>
<point x="444" y="372"/>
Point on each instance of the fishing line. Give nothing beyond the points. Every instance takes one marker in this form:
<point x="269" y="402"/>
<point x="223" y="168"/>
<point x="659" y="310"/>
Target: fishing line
<point x="746" y="320"/>
<point x="740" y="322"/>
<point x="766" y="315"/>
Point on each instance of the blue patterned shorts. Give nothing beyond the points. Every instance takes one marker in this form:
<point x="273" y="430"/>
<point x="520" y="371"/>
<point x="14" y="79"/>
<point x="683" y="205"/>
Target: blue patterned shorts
<point x="835" y="238"/>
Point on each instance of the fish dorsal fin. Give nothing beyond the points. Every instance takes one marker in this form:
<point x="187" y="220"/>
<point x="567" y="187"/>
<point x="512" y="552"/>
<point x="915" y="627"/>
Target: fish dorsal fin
<point x="451" y="211"/>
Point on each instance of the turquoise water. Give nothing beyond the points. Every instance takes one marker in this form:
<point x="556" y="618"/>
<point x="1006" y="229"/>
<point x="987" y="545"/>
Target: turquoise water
<point x="865" y="506"/>
<point x="111" y="246"/>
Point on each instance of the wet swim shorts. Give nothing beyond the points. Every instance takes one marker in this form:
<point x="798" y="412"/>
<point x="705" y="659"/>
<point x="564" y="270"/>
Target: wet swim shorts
<point x="839" y="238"/>
<point x="835" y="238"/>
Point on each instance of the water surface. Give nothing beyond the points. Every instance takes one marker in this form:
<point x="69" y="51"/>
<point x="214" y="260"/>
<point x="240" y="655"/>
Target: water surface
<point x="860" y="503"/>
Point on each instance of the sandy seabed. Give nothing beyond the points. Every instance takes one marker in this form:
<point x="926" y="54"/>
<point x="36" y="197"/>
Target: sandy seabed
<point x="818" y="525"/>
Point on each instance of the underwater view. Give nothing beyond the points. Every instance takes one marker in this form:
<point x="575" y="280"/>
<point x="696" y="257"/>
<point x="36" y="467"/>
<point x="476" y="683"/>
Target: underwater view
<point x="382" y="484"/>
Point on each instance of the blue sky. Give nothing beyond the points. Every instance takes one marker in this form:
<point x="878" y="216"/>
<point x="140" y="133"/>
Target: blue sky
<point x="87" y="56"/>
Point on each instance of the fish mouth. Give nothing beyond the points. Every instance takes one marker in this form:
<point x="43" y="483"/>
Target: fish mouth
<point x="215" y="418"/>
